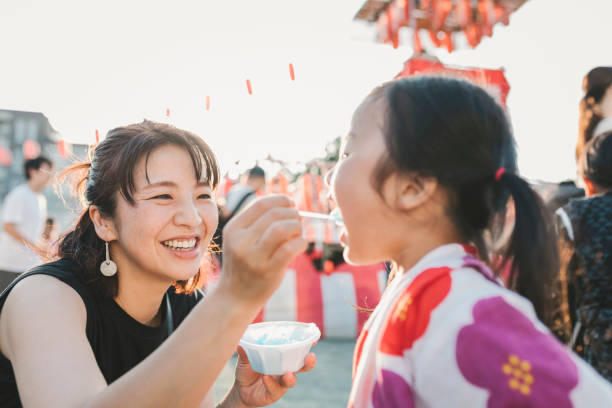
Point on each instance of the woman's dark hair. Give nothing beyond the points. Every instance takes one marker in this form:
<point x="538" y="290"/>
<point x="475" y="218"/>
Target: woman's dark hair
<point x="595" y="84"/>
<point x="596" y="160"/>
<point x="110" y="170"/>
<point x="454" y="131"/>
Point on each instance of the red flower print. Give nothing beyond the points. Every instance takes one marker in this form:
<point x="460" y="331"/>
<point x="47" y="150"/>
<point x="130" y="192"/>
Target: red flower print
<point x="358" y="349"/>
<point x="411" y="312"/>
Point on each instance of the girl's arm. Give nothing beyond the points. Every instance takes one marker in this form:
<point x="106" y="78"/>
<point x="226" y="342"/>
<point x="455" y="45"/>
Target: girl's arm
<point x="42" y="326"/>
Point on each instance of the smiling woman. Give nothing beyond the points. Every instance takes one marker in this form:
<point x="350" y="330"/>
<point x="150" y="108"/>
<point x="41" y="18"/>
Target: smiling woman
<point x="82" y="332"/>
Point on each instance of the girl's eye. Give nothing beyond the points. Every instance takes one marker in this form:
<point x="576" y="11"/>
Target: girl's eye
<point x="163" y="197"/>
<point x="205" y="196"/>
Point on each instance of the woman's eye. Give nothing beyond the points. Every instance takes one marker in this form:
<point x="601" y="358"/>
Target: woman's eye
<point x="205" y="196"/>
<point x="163" y="197"/>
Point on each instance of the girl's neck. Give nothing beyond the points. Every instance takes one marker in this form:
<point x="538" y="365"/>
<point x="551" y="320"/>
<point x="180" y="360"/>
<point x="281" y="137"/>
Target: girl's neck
<point x="426" y="242"/>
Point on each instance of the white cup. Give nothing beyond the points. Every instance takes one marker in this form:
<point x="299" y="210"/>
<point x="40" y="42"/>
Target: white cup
<point x="276" y="348"/>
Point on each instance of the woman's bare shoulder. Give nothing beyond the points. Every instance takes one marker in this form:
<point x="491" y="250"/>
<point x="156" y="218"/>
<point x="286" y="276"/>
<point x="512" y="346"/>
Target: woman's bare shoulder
<point x="35" y="302"/>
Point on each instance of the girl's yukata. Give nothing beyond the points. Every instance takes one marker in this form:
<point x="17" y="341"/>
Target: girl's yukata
<point x="446" y="334"/>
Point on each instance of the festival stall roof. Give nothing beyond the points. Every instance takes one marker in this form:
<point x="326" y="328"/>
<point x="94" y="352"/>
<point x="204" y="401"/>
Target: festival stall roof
<point x="443" y="19"/>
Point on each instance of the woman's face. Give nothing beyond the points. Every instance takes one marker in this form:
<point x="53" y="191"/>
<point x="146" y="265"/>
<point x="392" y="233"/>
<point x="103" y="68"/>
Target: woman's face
<point x="167" y="231"/>
<point x="363" y="210"/>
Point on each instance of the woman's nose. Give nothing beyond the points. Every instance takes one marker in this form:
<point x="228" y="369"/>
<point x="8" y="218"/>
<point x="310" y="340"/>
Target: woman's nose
<point x="187" y="214"/>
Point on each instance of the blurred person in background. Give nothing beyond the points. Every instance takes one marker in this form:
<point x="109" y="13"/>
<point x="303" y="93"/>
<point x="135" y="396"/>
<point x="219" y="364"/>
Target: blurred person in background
<point x="237" y="199"/>
<point x="240" y="195"/>
<point x="595" y="106"/>
<point x="23" y="220"/>
<point x="595" y="118"/>
<point x="585" y="279"/>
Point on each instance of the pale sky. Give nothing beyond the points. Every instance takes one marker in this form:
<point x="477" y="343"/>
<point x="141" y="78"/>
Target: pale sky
<point x="96" y="65"/>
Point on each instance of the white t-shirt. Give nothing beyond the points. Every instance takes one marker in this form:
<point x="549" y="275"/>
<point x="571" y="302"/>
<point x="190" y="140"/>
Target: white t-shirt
<point x="235" y="195"/>
<point x="28" y="211"/>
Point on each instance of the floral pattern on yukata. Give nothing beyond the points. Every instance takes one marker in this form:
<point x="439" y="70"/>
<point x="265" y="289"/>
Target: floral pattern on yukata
<point x="520" y="366"/>
<point x="391" y="390"/>
<point x="359" y="348"/>
<point x="411" y="312"/>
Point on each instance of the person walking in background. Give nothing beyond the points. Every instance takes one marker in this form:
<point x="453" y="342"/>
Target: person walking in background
<point x="237" y="199"/>
<point x="595" y="106"/>
<point x="240" y="195"/>
<point x="585" y="279"/>
<point x="23" y="219"/>
<point x="595" y="118"/>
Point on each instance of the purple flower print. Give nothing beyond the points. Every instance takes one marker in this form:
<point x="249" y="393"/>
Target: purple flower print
<point x="392" y="391"/>
<point x="520" y="366"/>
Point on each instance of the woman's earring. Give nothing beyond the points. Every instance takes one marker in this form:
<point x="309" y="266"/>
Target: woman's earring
<point x="108" y="267"/>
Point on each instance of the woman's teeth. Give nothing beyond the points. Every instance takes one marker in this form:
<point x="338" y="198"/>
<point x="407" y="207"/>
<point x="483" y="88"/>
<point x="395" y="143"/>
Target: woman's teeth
<point x="181" y="244"/>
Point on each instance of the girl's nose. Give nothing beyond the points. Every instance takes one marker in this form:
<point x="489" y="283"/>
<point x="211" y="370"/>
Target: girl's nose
<point x="328" y="176"/>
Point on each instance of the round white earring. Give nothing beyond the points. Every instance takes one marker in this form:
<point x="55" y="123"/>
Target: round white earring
<point x="108" y="267"/>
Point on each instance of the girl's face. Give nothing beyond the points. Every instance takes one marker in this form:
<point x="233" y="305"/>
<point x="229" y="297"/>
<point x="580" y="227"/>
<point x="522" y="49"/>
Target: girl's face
<point x="364" y="212"/>
<point x="167" y="230"/>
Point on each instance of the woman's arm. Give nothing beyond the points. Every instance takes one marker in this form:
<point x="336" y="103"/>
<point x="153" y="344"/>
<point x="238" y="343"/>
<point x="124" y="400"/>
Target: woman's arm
<point x="42" y="329"/>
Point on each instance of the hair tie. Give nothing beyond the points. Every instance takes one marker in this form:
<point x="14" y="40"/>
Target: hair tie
<point x="499" y="173"/>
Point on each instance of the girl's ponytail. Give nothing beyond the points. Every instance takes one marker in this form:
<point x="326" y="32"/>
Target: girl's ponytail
<point x="532" y="248"/>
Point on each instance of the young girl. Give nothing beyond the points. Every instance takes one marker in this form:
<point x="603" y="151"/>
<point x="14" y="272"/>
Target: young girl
<point x="428" y="164"/>
<point x="117" y="321"/>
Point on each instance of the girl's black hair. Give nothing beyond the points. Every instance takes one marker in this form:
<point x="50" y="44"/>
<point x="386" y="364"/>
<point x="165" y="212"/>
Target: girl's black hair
<point x="595" y="84"/>
<point x="455" y="131"/>
<point x="595" y="162"/>
<point x="109" y="173"/>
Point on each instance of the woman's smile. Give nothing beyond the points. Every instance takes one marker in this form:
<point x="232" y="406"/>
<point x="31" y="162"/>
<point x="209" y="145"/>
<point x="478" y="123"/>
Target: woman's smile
<point x="186" y="247"/>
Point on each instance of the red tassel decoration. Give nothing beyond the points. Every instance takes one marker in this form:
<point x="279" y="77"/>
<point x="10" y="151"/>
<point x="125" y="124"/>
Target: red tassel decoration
<point x="447" y="41"/>
<point x="417" y="46"/>
<point x="433" y="36"/>
<point x="463" y="13"/>
<point x="441" y="9"/>
<point x="291" y="72"/>
<point x="97" y="136"/>
<point x="207" y="103"/>
<point x="249" y="87"/>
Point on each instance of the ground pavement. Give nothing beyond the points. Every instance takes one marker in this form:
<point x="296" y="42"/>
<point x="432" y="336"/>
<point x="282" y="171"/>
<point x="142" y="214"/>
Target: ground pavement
<point x="326" y="386"/>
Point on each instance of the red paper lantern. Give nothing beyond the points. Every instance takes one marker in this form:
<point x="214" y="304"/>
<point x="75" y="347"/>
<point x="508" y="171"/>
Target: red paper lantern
<point x="291" y="72"/>
<point x="441" y="9"/>
<point x="61" y="148"/>
<point x="6" y="158"/>
<point x="463" y="13"/>
<point x="472" y="34"/>
<point x="31" y="149"/>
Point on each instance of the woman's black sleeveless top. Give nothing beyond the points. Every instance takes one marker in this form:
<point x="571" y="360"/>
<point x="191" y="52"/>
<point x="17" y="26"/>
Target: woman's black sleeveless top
<point x="118" y="341"/>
